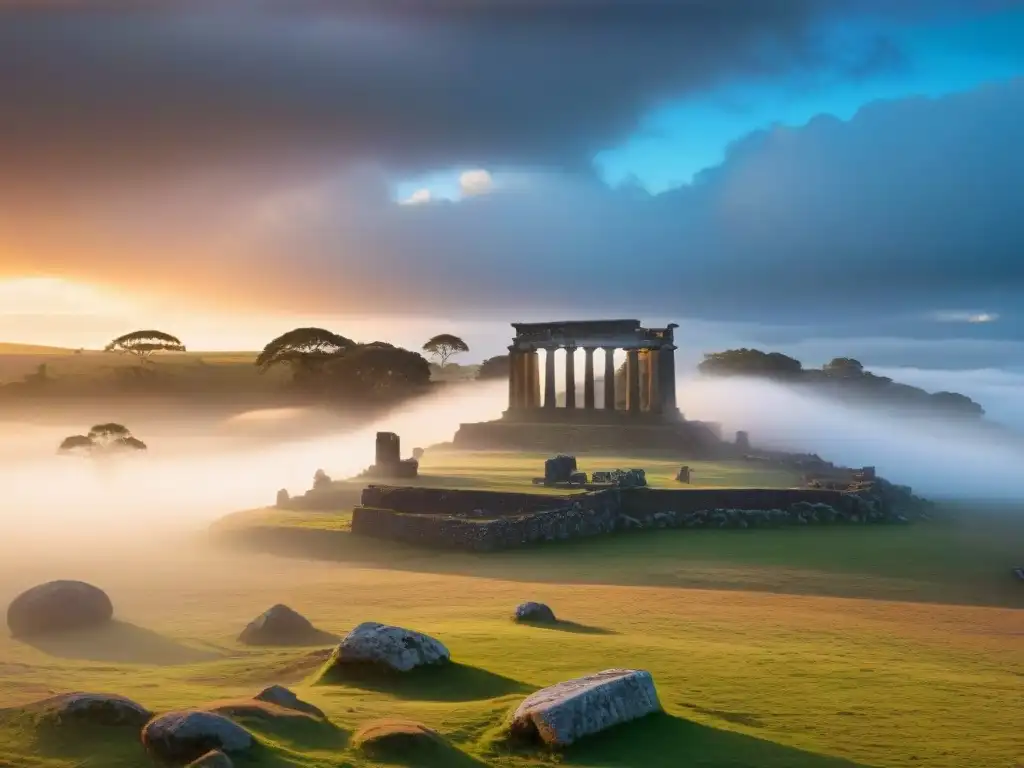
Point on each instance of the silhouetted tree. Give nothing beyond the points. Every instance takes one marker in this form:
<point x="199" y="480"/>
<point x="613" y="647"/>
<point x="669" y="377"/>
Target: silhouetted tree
<point x="955" y="403"/>
<point x="845" y="367"/>
<point x="105" y="438"/>
<point x="306" y="350"/>
<point x="493" y="368"/>
<point x="750" y="362"/>
<point x="379" y="369"/>
<point x="142" y="344"/>
<point x="443" y="346"/>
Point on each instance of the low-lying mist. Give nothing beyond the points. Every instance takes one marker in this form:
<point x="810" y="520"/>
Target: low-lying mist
<point x="199" y="468"/>
<point x="939" y="458"/>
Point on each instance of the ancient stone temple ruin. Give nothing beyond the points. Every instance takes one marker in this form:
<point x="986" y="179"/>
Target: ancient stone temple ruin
<point x="553" y="416"/>
<point x="650" y="366"/>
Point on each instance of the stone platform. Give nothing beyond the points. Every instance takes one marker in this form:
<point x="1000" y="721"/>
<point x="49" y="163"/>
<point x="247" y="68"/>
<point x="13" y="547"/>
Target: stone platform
<point x="566" y="431"/>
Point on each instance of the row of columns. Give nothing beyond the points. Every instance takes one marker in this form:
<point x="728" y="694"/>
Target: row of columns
<point x="650" y="379"/>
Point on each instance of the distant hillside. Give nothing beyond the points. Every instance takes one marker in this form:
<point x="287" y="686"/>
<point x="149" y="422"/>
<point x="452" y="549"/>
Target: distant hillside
<point x="843" y="378"/>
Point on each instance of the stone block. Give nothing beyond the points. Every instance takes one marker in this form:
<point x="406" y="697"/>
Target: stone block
<point x="566" y="712"/>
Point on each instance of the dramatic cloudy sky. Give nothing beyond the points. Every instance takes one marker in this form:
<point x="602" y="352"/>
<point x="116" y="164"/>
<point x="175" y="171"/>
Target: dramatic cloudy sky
<point x="817" y="176"/>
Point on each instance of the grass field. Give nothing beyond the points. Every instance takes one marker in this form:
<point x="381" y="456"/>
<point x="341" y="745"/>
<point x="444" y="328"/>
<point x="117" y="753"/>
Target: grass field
<point x="757" y="658"/>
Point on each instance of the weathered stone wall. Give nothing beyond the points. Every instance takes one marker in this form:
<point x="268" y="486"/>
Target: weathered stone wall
<point x="437" y="532"/>
<point x="640" y="502"/>
<point x="461" y="519"/>
<point x="448" y="501"/>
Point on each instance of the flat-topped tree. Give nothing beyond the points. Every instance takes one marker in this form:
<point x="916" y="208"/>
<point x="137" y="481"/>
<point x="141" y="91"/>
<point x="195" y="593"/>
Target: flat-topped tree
<point x="107" y="438"/>
<point x="444" y="346"/>
<point x="306" y="350"/>
<point x="143" y="344"/>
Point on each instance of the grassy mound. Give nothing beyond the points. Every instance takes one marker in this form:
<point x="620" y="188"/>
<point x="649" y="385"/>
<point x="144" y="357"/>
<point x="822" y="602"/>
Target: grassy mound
<point x="405" y="742"/>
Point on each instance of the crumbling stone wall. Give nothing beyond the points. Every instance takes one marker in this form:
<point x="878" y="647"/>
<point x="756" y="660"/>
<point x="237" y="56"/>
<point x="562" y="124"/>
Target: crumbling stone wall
<point x="449" y="501"/>
<point x="437" y="532"/>
<point x="461" y="519"/>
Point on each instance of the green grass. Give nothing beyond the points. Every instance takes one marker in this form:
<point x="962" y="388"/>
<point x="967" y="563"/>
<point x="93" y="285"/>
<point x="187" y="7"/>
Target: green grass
<point x="757" y="661"/>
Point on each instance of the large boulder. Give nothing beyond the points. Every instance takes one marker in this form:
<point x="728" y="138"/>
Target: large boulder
<point x="58" y="606"/>
<point x="280" y="625"/>
<point x="93" y="709"/>
<point x="535" y="613"/>
<point x="282" y="697"/>
<point x="566" y="712"/>
<point x="387" y="648"/>
<point x="188" y="735"/>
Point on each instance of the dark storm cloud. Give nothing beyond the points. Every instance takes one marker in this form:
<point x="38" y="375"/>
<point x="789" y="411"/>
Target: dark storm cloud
<point x="139" y="90"/>
<point x="906" y="219"/>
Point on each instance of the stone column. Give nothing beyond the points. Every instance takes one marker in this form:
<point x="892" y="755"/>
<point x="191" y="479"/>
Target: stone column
<point x="588" y="378"/>
<point x="609" y="378"/>
<point x="654" y="404"/>
<point x="667" y="377"/>
<point x="633" y="381"/>
<point x="570" y="377"/>
<point x="513" y="379"/>
<point x="549" y="378"/>
<point x="532" y="380"/>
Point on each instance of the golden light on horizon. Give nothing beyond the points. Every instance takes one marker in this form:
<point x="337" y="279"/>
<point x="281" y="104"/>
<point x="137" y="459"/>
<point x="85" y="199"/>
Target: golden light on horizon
<point x="42" y="296"/>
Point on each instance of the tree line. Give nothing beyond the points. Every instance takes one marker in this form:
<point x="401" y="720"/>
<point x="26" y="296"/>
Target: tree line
<point x="841" y="377"/>
<point x="318" y="360"/>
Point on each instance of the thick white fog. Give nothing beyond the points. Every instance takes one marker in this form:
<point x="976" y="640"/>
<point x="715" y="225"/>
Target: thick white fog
<point x="938" y="458"/>
<point x="198" y="469"/>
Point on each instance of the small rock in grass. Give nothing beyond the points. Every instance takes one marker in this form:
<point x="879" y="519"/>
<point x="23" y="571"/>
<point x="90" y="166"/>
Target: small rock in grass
<point x="188" y="735"/>
<point x="535" y="613"/>
<point x="282" y="697"/>
<point x="388" y="648"/>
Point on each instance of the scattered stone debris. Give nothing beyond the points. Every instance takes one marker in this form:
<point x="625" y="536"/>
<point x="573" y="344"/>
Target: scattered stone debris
<point x="535" y="613"/>
<point x="388" y="461"/>
<point x="191" y="734"/>
<point x="387" y="648"/>
<point x="742" y="441"/>
<point x="621" y="478"/>
<point x="58" y="606"/>
<point x="280" y="625"/>
<point x="566" y="712"/>
<point x="559" y="469"/>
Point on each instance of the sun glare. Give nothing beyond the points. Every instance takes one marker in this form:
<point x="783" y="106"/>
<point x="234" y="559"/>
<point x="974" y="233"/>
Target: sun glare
<point x="57" y="296"/>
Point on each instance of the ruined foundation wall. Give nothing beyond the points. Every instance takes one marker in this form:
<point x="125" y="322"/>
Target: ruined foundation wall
<point x="462" y="525"/>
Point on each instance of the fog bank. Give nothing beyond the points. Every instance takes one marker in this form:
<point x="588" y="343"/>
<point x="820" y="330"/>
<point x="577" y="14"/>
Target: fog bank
<point x="938" y="458"/>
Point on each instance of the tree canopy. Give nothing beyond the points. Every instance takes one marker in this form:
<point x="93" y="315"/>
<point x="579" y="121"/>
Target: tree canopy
<point x="378" y="369"/>
<point x="306" y="350"/>
<point x="443" y="346"/>
<point x="142" y="344"/>
<point x="103" y="438"/>
<point x="750" y="362"/>
<point x="493" y="368"/>
<point x="841" y="376"/>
